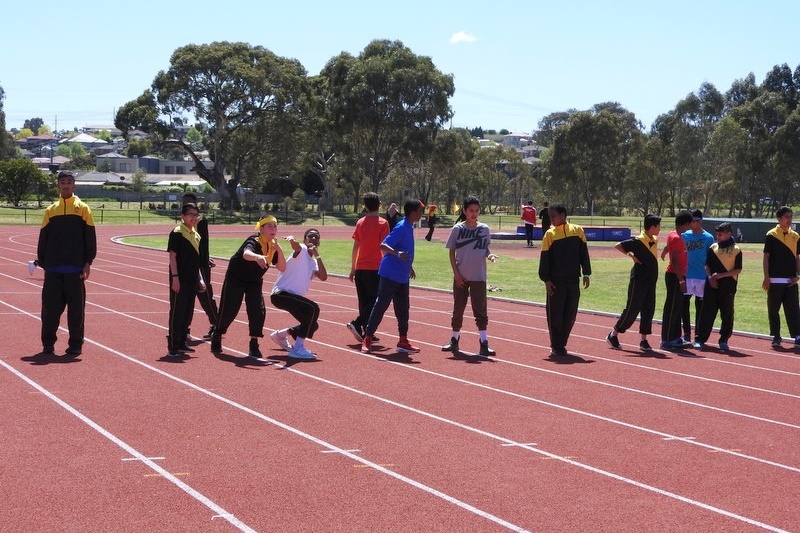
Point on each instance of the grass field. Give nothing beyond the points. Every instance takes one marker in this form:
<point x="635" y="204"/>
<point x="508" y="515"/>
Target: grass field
<point x="516" y="278"/>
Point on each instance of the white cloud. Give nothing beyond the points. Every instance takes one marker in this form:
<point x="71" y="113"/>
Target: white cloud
<point x="462" y="37"/>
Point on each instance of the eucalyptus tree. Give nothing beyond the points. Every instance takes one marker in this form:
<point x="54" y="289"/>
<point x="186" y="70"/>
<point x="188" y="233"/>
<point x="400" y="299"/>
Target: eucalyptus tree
<point x="590" y="154"/>
<point x="726" y="153"/>
<point x="385" y="103"/>
<point x="491" y="172"/>
<point x="233" y="91"/>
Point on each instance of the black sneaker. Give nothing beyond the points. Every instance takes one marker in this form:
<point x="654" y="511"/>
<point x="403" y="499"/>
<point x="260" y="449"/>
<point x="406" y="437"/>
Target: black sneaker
<point x="452" y="346"/>
<point x="254" y="351"/>
<point x="216" y="344"/>
<point x="73" y="351"/>
<point x="485" y="351"/>
<point x="185" y="348"/>
<point x="645" y="346"/>
<point x="559" y="352"/>
<point x="613" y="341"/>
<point x="48" y="350"/>
<point x="776" y="341"/>
<point x="210" y="333"/>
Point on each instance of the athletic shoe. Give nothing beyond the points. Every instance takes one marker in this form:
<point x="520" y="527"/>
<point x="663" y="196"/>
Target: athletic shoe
<point x="406" y="347"/>
<point x="174" y="355"/>
<point x="723" y="345"/>
<point x="31" y="267"/>
<point x="366" y="345"/>
<point x="254" y="350"/>
<point x="613" y="340"/>
<point x="485" y="351"/>
<point x="558" y="352"/>
<point x="687" y="338"/>
<point x="48" y="350"/>
<point x="355" y="331"/>
<point x="645" y="346"/>
<point x="776" y="341"/>
<point x="686" y="343"/>
<point x="281" y="338"/>
<point x="676" y="344"/>
<point x="797" y="342"/>
<point x="216" y="344"/>
<point x="452" y="346"/>
<point x="299" y="352"/>
<point x="185" y="348"/>
<point x="698" y="345"/>
<point x="73" y="351"/>
<point x="210" y="332"/>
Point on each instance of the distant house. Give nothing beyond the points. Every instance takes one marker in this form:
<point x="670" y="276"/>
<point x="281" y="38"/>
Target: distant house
<point x="86" y="140"/>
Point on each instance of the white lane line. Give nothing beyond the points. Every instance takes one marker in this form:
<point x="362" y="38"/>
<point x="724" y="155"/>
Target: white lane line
<point x="218" y="511"/>
<point x="324" y="444"/>
<point x="550" y="455"/>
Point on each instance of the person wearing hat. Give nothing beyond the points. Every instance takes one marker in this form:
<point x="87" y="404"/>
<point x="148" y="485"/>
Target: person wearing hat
<point x="697" y="241"/>
<point x="244" y="281"/>
<point x="66" y="248"/>
<point x="643" y="250"/>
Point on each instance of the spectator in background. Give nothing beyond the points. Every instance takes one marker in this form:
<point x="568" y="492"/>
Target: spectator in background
<point x="545" y="216"/>
<point x="432" y="220"/>
<point x="392" y="216"/>
<point x="529" y="218"/>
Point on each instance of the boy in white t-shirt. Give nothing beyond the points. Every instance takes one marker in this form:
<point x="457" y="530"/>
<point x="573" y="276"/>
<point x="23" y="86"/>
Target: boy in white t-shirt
<point x="469" y="249"/>
<point x="289" y="291"/>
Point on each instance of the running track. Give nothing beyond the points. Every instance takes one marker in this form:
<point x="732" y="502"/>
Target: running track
<point x="120" y="439"/>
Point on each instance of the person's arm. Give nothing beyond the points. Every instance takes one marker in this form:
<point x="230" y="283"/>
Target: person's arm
<point x="457" y="277"/>
<point x="353" y="260"/>
<point x="174" y="281"/>
<point x="765" y="266"/>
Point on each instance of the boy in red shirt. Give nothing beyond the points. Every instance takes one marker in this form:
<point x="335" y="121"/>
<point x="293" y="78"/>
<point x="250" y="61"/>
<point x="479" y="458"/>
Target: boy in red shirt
<point x="675" y="280"/>
<point x="529" y="218"/>
<point x="370" y="231"/>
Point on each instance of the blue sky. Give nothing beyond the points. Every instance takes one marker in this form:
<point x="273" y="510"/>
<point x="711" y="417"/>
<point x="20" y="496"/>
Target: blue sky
<point x="513" y="62"/>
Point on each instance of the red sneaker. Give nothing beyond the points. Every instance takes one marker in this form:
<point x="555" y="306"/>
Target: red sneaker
<point x="366" y="345"/>
<point x="406" y="347"/>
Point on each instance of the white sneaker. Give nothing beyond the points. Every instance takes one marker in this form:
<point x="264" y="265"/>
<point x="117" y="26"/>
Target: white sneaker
<point x="281" y="338"/>
<point x="31" y="267"/>
<point x="299" y="352"/>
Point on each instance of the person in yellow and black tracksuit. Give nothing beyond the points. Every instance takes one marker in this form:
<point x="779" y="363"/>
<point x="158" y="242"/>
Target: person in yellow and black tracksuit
<point x="564" y="257"/>
<point x="244" y="281"/>
<point x="781" y="264"/>
<point x="66" y="248"/>
<point x="185" y="280"/>
<point x="643" y="250"/>
<point x="723" y="266"/>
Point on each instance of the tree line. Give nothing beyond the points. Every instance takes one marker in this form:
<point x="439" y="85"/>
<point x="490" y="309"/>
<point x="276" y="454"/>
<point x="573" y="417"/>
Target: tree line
<point x="379" y="121"/>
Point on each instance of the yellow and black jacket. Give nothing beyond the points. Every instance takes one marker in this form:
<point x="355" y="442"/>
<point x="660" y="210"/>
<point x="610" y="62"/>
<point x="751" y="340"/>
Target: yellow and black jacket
<point x="67" y="238"/>
<point x="564" y="254"/>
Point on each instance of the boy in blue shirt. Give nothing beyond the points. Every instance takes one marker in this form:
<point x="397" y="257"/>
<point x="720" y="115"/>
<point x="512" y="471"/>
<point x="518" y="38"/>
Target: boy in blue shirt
<point x="395" y="273"/>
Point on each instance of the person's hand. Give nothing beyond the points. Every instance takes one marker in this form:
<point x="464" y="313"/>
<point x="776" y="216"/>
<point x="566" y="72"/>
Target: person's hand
<point x="586" y="281"/>
<point x="175" y="285"/>
<point x="459" y="279"/>
<point x="201" y="286"/>
<point x="550" y="288"/>
<point x="492" y="257"/>
<point x="352" y="275"/>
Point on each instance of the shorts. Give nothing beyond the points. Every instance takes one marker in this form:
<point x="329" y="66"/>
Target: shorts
<point x="695" y="287"/>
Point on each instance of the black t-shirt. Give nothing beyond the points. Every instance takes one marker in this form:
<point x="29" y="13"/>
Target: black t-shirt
<point x="244" y="270"/>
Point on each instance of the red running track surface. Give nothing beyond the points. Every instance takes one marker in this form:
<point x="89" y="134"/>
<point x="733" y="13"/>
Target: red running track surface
<point x="120" y="439"/>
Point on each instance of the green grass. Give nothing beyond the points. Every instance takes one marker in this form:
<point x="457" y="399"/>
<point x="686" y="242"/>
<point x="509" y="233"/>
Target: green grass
<point x="518" y="279"/>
